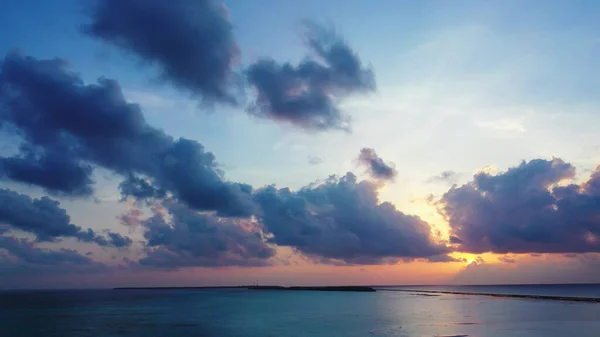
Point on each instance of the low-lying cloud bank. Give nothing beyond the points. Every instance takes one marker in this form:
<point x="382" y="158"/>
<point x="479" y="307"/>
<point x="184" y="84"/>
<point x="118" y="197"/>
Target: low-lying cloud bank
<point x="22" y="257"/>
<point x="45" y="219"/>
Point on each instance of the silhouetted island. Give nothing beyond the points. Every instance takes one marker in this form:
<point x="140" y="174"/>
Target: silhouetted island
<point x="329" y="288"/>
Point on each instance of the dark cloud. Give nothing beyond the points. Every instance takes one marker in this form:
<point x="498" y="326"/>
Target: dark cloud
<point x="448" y="177"/>
<point x="56" y="170"/>
<point x="193" y="175"/>
<point x="118" y="240"/>
<point x="342" y="219"/>
<point x="307" y="94"/>
<point x="507" y="259"/>
<point x="26" y="252"/>
<point x="445" y="258"/>
<point x="191" y="41"/>
<point x="377" y="167"/>
<point x="44" y="218"/>
<point x="592" y="186"/>
<point x="23" y="264"/>
<point x="140" y="188"/>
<point x="454" y="239"/>
<point x="314" y="160"/>
<point x="523" y="210"/>
<point x="68" y="127"/>
<point x="190" y="238"/>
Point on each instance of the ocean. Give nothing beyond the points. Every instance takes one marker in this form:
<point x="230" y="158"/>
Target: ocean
<point x="242" y="312"/>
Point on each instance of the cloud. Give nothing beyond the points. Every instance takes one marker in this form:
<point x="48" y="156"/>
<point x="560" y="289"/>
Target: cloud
<point x="25" y="251"/>
<point x="525" y="210"/>
<point x="343" y="219"/>
<point x="22" y="264"/>
<point x="68" y="127"/>
<point x="377" y="167"/>
<point x="314" y="160"/>
<point x="306" y="94"/>
<point x="448" y="177"/>
<point x="507" y="259"/>
<point x="478" y="261"/>
<point x="118" y="240"/>
<point x="193" y="239"/>
<point x="132" y="217"/>
<point x="54" y="169"/>
<point x="191" y="42"/>
<point x="583" y="269"/>
<point x="445" y="258"/>
<point x="44" y="218"/>
<point x="140" y="188"/>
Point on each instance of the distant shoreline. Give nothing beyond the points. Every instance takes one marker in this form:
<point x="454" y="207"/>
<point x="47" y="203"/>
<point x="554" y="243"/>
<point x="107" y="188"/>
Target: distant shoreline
<point x="377" y="288"/>
<point x="326" y="288"/>
<point x="329" y="288"/>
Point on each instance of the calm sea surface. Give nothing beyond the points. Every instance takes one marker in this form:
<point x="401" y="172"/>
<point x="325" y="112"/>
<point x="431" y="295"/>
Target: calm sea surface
<point x="239" y="312"/>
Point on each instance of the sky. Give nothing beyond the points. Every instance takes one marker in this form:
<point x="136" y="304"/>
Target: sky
<point x="200" y="142"/>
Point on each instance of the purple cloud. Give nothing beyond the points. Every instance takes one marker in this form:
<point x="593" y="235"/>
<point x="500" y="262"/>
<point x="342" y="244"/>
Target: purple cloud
<point x="67" y="127"/>
<point x="191" y="42"/>
<point x="306" y="94"/>
<point x="48" y="221"/>
<point x="193" y="239"/>
<point x="343" y="219"/>
<point x="378" y="168"/>
<point x="523" y="210"/>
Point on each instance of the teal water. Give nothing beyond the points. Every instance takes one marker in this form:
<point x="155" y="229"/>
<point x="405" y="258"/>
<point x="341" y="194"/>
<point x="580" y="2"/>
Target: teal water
<point x="239" y="312"/>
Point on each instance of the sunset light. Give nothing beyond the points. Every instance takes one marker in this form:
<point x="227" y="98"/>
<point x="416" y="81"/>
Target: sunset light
<point x="246" y="167"/>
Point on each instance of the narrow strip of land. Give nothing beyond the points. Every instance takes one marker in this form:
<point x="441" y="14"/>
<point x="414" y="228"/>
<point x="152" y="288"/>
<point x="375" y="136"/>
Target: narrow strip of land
<point x="532" y="297"/>
<point x="328" y="288"/>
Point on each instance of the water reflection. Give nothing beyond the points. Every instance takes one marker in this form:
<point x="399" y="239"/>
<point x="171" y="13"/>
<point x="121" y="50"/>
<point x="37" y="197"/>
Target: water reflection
<point x="289" y="314"/>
